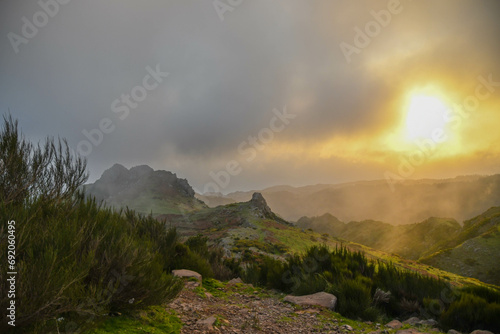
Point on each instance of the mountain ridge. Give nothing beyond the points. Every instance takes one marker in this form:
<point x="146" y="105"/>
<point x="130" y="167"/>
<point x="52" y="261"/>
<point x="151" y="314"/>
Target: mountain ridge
<point x="412" y="201"/>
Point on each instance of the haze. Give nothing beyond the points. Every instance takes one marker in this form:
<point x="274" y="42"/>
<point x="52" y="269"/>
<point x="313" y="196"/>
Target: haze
<point x="417" y="99"/>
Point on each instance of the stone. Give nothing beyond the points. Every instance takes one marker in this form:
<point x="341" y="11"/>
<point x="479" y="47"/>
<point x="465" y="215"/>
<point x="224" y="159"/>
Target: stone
<point x="480" y="331"/>
<point x="207" y="323"/>
<point x="408" y="331"/>
<point x="394" y="324"/>
<point x="319" y="299"/>
<point x="428" y="323"/>
<point x="347" y="327"/>
<point x="235" y="281"/>
<point x="184" y="273"/>
<point x="412" y="321"/>
<point x="452" y="331"/>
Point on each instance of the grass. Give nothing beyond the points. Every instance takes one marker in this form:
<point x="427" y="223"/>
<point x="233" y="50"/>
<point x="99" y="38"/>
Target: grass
<point x="153" y="320"/>
<point x="297" y="242"/>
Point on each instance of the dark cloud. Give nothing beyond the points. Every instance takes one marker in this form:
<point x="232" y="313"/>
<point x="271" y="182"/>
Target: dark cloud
<point x="225" y="78"/>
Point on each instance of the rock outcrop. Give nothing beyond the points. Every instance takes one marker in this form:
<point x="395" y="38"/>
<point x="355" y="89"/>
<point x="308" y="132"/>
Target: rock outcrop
<point x="143" y="189"/>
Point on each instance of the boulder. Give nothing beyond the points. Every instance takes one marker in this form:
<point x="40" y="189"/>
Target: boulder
<point x="186" y="273"/>
<point x="408" y="331"/>
<point x="319" y="299"/>
<point x="480" y="331"/>
<point x="347" y="328"/>
<point x="394" y="324"/>
<point x="452" y="331"/>
<point x="235" y="281"/>
<point x="207" y="323"/>
<point x="428" y="323"/>
<point x="412" y="321"/>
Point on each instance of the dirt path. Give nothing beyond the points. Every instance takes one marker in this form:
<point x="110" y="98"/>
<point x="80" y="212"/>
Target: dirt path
<point x="242" y="309"/>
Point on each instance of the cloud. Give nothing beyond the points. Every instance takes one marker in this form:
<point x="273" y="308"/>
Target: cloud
<point x="226" y="78"/>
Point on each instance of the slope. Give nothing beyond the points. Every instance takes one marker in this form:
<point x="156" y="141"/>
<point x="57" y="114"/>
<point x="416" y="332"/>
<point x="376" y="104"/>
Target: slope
<point x="475" y="252"/>
<point x="409" y="241"/>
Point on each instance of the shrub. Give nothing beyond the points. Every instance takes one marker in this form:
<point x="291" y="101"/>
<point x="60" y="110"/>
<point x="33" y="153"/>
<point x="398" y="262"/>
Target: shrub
<point x="73" y="257"/>
<point x="466" y="313"/>
<point x="354" y="299"/>
<point x="187" y="259"/>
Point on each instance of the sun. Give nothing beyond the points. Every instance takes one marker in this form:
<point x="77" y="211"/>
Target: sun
<point x="425" y="114"/>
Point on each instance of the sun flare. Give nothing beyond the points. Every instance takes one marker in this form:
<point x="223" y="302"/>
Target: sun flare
<point x="425" y="114"/>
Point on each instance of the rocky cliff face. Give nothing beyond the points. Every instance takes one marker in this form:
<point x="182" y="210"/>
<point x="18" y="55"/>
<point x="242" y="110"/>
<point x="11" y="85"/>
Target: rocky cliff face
<point x="143" y="189"/>
<point x="262" y="210"/>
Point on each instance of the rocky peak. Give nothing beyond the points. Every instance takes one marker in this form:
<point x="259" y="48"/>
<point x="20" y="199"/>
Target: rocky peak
<point x="259" y="203"/>
<point x="139" y="171"/>
<point x="121" y="182"/>
<point x="116" y="173"/>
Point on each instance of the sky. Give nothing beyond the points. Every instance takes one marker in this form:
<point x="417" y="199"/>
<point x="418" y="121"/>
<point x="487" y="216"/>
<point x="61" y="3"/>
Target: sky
<point x="240" y="95"/>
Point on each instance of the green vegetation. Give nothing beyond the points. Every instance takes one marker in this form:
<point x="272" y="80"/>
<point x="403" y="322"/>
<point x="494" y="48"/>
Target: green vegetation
<point x="278" y="248"/>
<point x="409" y="241"/>
<point x="153" y="320"/>
<point x="76" y="259"/>
<point x="377" y="291"/>
<point x="474" y="252"/>
<point x="80" y="261"/>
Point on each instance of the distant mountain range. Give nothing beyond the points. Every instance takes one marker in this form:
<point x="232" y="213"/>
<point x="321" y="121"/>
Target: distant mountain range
<point x="251" y="224"/>
<point x="411" y="201"/>
<point x="471" y="250"/>
<point x="409" y="241"/>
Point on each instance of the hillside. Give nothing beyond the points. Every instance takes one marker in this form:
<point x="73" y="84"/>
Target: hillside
<point x="144" y="190"/>
<point x="409" y="241"/>
<point x="251" y="228"/>
<point x="411" y="201"/>
<point x="474" y="252"/>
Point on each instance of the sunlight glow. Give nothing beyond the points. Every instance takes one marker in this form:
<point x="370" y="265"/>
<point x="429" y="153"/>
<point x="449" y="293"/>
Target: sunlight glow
<point x="425" y="114"/>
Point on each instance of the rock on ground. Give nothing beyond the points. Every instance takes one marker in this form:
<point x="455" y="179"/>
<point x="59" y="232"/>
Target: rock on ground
<point x="319" y="299"/>
<point x="412" y="321"/>
<point x="394" y="324"/>
<point x="408" y="331"/>
<point x="187" y="273"/>
<point x="235" y="281"/>
<point x="452" y="331"/>
<point x="207" y="323"/>
<point x="428" y="322"/>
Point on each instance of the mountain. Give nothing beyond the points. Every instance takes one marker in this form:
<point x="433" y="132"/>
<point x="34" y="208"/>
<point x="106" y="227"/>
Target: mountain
<point x="474" y="252"/>
<point x="409" y="241"/>
<point x="409" y="201"/>
<point x="250" y="228"/>
<point x="145" y="190"/>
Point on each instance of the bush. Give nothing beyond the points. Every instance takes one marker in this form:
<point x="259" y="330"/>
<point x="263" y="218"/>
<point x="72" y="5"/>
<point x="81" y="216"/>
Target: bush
<point x="472" y="312"/>
<point x="354" y="300"/>
<point x="187" y="259"/>
<point x="74" y="257"/>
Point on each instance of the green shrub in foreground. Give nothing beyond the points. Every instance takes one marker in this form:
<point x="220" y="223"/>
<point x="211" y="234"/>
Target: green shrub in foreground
<point x="471" y="312"/>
